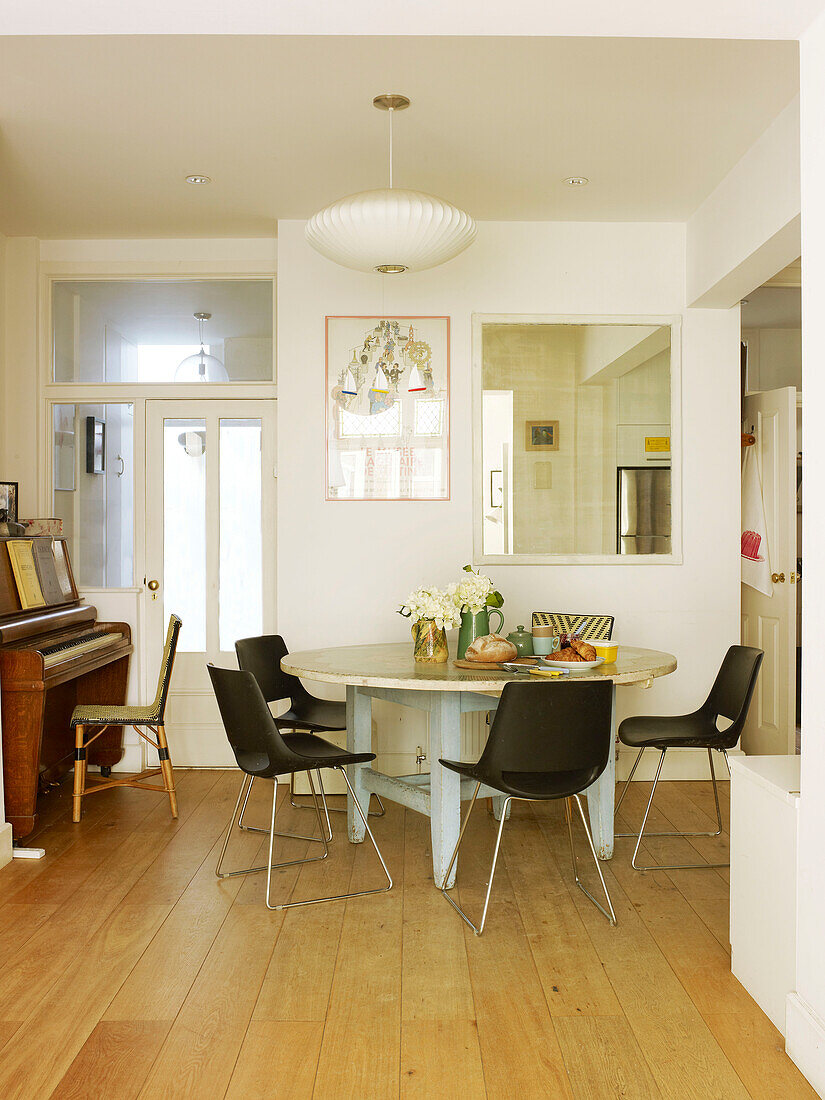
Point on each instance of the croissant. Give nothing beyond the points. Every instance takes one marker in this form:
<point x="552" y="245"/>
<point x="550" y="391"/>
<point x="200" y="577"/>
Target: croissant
<point x="584" y="649"/>
<point x="567" y="654"/>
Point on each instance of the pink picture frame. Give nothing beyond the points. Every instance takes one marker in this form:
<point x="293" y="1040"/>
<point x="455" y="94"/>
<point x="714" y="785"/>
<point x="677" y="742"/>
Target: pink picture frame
<point x="387" y="407"/>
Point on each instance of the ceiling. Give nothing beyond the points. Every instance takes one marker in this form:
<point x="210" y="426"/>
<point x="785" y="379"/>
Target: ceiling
<point x="97" y="133"/>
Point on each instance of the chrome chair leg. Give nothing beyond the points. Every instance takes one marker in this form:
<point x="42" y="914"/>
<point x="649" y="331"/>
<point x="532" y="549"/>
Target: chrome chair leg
<point x="287" y="836"/>
<point x="611" y="916"/>
<point x="478" y="930"/>
<point x="677" y="866"/>
<point x="676" y="833"/>
<point x="334" y="897"/>
<point x="243" y="794"/>
<point x="331" y="809"/>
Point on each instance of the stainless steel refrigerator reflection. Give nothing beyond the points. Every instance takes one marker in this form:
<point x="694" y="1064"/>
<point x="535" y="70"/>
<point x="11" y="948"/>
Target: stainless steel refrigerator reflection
<point x="643" y="510"/>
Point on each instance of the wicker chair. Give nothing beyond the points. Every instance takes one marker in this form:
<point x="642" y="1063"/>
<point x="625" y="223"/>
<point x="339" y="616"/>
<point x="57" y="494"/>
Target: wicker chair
<point x="89" y="721"/>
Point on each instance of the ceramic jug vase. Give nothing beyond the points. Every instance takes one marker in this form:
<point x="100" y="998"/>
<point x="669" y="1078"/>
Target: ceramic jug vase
<point x="429" y="642"/>
<point x="476" y="625"/>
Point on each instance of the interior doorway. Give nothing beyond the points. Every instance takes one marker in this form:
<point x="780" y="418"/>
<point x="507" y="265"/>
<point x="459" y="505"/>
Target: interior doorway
<point x="772" y="451"/>
<point x="210" y="536"/>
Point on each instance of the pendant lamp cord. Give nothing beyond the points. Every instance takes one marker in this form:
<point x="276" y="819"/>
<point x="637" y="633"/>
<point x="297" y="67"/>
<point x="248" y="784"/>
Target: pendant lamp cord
<point x="200" y="331"/>
<point x="389" y="112"/>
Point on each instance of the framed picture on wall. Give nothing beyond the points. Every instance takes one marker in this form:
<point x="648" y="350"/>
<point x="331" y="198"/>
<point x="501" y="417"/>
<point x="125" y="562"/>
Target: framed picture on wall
<point x="8" y="501"/>
<point x="542" y="435"/>
<point x="387" y="408"/>
<point x="95" y="445"/>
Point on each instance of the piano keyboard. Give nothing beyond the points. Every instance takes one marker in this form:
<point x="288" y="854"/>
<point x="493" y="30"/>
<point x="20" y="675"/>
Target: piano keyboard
<point x="74" y="647"/>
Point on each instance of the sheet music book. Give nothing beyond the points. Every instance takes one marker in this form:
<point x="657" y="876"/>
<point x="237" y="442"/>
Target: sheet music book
<point x="21" y="557"/>
<point x="47" y="571"/>
<point x="62" y="568"/>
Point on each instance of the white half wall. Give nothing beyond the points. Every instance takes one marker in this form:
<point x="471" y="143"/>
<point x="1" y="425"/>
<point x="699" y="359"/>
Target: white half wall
<point x="344" y="567"/>
<point x="805" y="1035"/>
<point x="748" y="228"/>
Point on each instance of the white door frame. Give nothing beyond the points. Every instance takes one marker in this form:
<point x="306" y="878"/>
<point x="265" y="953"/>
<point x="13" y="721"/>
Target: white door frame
<point x="211" y="411"/>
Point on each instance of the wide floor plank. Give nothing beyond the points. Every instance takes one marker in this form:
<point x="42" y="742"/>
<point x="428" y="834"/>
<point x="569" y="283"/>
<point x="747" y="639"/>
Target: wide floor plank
<point x="127" y="969"/>
<point x="113" y="1062"/>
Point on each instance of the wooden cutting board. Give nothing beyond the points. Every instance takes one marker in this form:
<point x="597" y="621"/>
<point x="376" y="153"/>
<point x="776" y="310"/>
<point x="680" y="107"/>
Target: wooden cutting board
<point x="495" y="664"/>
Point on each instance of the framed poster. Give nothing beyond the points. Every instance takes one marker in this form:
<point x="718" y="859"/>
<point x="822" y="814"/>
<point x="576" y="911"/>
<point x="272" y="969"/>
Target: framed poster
<point x="387" y="408"/>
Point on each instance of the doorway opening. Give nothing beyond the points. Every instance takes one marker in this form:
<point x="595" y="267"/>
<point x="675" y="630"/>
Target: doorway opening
<point x="772" y="508"/>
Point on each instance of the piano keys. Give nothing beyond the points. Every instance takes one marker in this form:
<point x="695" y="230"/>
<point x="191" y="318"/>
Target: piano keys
<point x="51" y="659"/>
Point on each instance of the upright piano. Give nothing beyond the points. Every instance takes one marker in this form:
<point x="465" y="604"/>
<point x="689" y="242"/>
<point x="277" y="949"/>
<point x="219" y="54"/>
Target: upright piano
<point x="52" y="658"/>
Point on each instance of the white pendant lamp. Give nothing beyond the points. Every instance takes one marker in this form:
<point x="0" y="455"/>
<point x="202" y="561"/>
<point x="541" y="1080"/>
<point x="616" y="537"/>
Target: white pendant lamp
<point x="201" y="367"/>
<point x="390" y="230"/>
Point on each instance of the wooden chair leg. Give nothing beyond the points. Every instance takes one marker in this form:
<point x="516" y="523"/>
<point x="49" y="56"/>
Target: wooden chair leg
<point x="166" y="768"/>
<point x="79" y="772"/>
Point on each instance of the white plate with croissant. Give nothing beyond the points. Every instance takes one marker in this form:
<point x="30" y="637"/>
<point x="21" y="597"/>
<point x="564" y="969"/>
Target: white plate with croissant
<point x="578" y="656"/>
<point x="572" y="666"/>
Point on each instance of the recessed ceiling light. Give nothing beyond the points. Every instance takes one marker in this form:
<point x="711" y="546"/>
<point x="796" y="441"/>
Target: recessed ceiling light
<point x="577" y="181"/>
<point x="198" y="179"/>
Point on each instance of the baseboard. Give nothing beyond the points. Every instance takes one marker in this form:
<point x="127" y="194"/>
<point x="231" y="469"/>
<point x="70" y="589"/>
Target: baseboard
<point x="132" y="759"/>
<point x="805" y="1040"/>
<point x="5" y="843"/>
<point x="679" y="764"/>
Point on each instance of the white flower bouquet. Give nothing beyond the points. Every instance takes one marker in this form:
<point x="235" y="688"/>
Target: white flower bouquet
<point x="476" y="592"/>
<point x="439" y="605"/>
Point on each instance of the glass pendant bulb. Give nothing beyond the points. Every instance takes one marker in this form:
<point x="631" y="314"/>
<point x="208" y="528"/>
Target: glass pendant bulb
<point x="201" y="367"/>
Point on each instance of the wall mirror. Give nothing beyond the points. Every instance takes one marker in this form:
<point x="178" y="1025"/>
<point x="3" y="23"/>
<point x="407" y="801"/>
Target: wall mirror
<point x="576" y="439"/>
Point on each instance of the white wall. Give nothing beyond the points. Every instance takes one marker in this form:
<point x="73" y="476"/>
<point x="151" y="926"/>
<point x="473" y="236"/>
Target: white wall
<point x="748" y="227"/>
<point x="20" y="447"/>
<point x="343" y="567"/>
<point x="805" y="1036"/>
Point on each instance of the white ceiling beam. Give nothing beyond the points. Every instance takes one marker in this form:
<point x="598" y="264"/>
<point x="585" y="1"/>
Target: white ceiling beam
<point x="588" y="18"/>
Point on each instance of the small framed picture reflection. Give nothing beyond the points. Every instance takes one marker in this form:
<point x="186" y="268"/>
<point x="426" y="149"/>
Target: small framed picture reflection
<point x="542" y="435"/>
<point x="95" y="445"/>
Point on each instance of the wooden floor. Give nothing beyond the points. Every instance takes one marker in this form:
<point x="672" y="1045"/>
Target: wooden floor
<point x="127" y="970"/>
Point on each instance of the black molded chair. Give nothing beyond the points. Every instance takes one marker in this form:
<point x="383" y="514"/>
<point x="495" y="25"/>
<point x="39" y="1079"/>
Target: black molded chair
<point x="730" y="697"/>
<point x="547" y="741"/>
<point x="261" y="752"/>
<point x="262" y="657"/>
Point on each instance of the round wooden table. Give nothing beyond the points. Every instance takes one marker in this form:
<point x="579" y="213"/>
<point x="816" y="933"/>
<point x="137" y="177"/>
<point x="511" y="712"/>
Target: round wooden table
<point x="445" y="693"/>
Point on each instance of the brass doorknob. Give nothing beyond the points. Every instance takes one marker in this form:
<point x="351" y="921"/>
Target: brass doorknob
<point x="153" y="586"/>
<point x="777" y="578"/>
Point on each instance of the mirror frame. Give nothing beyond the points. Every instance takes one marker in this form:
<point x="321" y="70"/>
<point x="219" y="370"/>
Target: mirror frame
<point x="674" y="322"/>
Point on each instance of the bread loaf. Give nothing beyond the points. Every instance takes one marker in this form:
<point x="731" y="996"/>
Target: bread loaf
<point x="491" y="648"/>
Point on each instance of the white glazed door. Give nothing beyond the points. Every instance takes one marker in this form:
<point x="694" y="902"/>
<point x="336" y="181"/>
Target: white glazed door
<point x="769" y="622"/>
<point x="210" y="554"/>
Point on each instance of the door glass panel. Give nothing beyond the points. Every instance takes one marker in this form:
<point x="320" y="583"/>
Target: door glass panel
<point x="241" y="534"/>
<point x="184" y="529"/>
<point x="141" y="330"/>
<point x="93" y="490"/>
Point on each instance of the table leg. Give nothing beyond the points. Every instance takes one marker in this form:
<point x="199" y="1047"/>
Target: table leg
<point x="498" y="803"/>
<point x="445" y="785"/>
<point x="601" y="796"/>
<point x="359" y="739"/>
